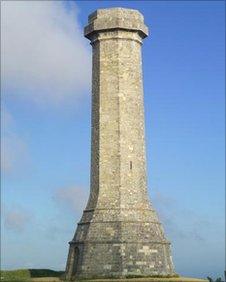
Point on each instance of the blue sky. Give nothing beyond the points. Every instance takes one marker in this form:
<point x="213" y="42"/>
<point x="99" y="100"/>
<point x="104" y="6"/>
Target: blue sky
<point x="46" y="83"/>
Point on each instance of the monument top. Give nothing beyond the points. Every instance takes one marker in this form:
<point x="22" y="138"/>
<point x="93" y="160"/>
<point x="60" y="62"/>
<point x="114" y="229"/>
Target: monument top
<point x="115" y="18"/>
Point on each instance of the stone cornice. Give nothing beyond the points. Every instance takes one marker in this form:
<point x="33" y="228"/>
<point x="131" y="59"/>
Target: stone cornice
<point x="115" y="19"/>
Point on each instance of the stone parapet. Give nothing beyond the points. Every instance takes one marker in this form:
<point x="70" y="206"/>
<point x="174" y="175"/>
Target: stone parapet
<point x="115" y="19"/>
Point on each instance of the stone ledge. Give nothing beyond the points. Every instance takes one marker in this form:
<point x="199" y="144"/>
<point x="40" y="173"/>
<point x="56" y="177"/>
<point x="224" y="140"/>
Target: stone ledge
<point x="150" y="279"/>
<point x="147" y="279"/>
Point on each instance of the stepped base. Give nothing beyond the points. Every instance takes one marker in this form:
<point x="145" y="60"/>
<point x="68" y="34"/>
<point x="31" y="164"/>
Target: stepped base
<point x="141" y="279"/>
<point x="104" y="260"/>
<point x="127" y="243"/>
<point x="148" y="279"/>
<point x="178" y="279"/>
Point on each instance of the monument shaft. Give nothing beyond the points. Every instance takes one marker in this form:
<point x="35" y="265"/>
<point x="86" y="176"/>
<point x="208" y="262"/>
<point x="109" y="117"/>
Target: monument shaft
<point x="118" y="177"/>
<point x="119" y="234"/>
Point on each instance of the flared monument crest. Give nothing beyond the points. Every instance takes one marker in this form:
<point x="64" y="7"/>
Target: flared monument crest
<point x="119" y="234"/>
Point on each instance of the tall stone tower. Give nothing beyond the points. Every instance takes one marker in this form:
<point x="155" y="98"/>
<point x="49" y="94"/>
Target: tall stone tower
<point x="119" y="234"/>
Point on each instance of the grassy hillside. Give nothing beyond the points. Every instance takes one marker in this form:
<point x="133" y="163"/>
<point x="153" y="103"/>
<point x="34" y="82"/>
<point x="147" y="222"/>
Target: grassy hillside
<point x="26" y="275"/>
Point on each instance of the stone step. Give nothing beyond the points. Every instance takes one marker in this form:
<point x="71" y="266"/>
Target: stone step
<point x="147" y="279"/>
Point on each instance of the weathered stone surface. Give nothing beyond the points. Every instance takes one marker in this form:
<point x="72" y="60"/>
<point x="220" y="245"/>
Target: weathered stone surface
<point x="119" y="234"/>
<point x="150" y="279"/>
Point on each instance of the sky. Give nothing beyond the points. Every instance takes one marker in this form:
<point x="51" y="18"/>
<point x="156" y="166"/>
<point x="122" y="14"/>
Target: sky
<point x="45" y="128"/>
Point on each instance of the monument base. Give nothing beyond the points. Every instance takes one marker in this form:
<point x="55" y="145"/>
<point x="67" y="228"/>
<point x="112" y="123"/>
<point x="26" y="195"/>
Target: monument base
<point x="146" y="279"/>
<point x="150" y="279"/>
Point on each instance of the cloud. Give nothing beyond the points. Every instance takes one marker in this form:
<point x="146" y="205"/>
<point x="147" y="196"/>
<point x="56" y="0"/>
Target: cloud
<point x="17" y="219"/>
<point x="45" y="58"/>
<point x="73" y="198"/>
<point x="14" y="151"/>
<point x="179" y="222"/>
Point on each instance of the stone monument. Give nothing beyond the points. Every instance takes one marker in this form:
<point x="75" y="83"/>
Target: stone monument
<point x="119" y="234"/>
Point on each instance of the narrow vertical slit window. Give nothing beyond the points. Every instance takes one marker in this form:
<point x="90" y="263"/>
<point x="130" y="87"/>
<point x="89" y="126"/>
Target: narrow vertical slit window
<point x="130" y="165"/>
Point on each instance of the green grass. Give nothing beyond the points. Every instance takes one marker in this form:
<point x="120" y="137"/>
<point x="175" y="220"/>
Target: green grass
<point x="25" y="275"/>
<point x="15" y="275"/>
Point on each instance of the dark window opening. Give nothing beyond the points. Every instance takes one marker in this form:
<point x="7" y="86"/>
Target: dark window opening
<point x="75" y="261"/>
<point x="130" y="165"/>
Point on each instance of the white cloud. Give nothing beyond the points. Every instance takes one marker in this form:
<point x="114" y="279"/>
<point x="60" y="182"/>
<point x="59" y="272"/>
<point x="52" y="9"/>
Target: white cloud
<point x="17" y="219"/>
<point x="14" y="151"/>
<point x="44" y="55"/>
<point x="73" y="198"/>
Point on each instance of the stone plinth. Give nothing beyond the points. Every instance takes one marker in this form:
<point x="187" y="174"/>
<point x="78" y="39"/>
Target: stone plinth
<point x="119" y="234"/>
<point x="179" y="279"/>
<point x="150" y="279"/>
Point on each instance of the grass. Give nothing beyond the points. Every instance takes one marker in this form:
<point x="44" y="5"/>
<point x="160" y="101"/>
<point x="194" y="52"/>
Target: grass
<point x="48" y="275"/>
<point x="27" y="275"/>
<point x="15" y="275"/>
